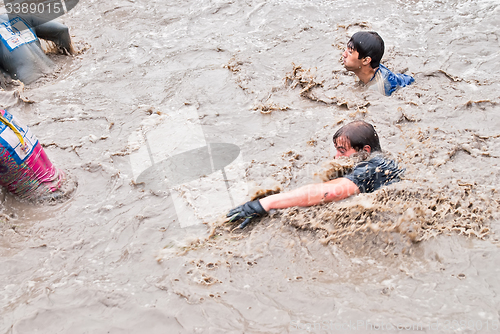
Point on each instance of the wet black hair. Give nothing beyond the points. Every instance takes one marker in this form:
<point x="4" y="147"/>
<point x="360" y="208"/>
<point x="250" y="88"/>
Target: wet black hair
<point x="359" y="134"/>
<point x="368" y="44"/>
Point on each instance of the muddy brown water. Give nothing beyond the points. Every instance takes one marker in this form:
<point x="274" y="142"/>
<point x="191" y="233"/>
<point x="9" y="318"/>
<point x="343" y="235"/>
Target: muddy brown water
<point x="164" y="79"/>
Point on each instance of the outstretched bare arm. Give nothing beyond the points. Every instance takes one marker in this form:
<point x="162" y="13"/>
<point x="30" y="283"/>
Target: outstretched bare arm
<point x="312" y="194"/>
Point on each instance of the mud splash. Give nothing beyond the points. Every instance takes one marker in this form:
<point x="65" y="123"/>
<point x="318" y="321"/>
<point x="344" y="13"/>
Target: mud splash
<point x="338" y="88"/>
<point x="415" y="215"/>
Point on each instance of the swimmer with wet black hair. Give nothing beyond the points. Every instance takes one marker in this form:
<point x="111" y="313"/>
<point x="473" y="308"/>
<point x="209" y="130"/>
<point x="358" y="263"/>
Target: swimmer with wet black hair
<point x="21" y="54"/>
<point x="357" y="138"/>
<point x="362" y="56"/>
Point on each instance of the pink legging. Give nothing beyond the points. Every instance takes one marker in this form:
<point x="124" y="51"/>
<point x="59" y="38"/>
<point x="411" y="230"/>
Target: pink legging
<point x="25" y="170"/>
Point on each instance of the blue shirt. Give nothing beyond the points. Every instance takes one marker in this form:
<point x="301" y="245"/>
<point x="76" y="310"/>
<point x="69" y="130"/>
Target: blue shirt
<point x="386" y="82"/>
<point x="372" y="174"/>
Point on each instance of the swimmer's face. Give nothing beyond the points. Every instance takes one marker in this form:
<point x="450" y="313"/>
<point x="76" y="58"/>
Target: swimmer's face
<point x="343" y="147"/>
<point x="350" y="58"/>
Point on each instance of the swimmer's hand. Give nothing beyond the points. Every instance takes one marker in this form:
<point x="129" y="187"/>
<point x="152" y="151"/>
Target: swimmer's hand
<point x="247" y="211"/>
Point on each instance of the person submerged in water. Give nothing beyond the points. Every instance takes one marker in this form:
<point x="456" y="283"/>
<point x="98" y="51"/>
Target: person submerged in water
<point x="21" y="54"/>
<point x="357" y="138"/>
<point x="25" y="169"/>
<point x="362" y="56"/>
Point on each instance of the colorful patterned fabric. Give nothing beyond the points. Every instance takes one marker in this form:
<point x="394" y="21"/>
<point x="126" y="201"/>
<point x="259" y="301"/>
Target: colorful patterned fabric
<point x="25" y="170"/>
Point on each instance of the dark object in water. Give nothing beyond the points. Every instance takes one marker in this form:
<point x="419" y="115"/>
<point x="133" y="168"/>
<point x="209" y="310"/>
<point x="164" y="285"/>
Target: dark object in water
<point x="188" y="166"/>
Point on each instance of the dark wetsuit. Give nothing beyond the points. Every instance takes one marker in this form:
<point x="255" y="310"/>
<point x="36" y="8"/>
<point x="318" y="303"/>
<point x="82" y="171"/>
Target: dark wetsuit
<point x="21" y="54"/>
<point x="372" y="174"/>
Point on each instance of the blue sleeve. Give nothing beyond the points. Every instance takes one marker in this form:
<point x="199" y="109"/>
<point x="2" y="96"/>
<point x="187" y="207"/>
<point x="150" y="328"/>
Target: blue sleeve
<point x="370" y="175"/>
<point x="401" y="79"/>
<point x="398" y="80"/>
<point x="393" y="81"/>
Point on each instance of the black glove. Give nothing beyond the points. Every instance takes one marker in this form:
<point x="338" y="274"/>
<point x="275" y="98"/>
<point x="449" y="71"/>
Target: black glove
<point x="248" y="211"/>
